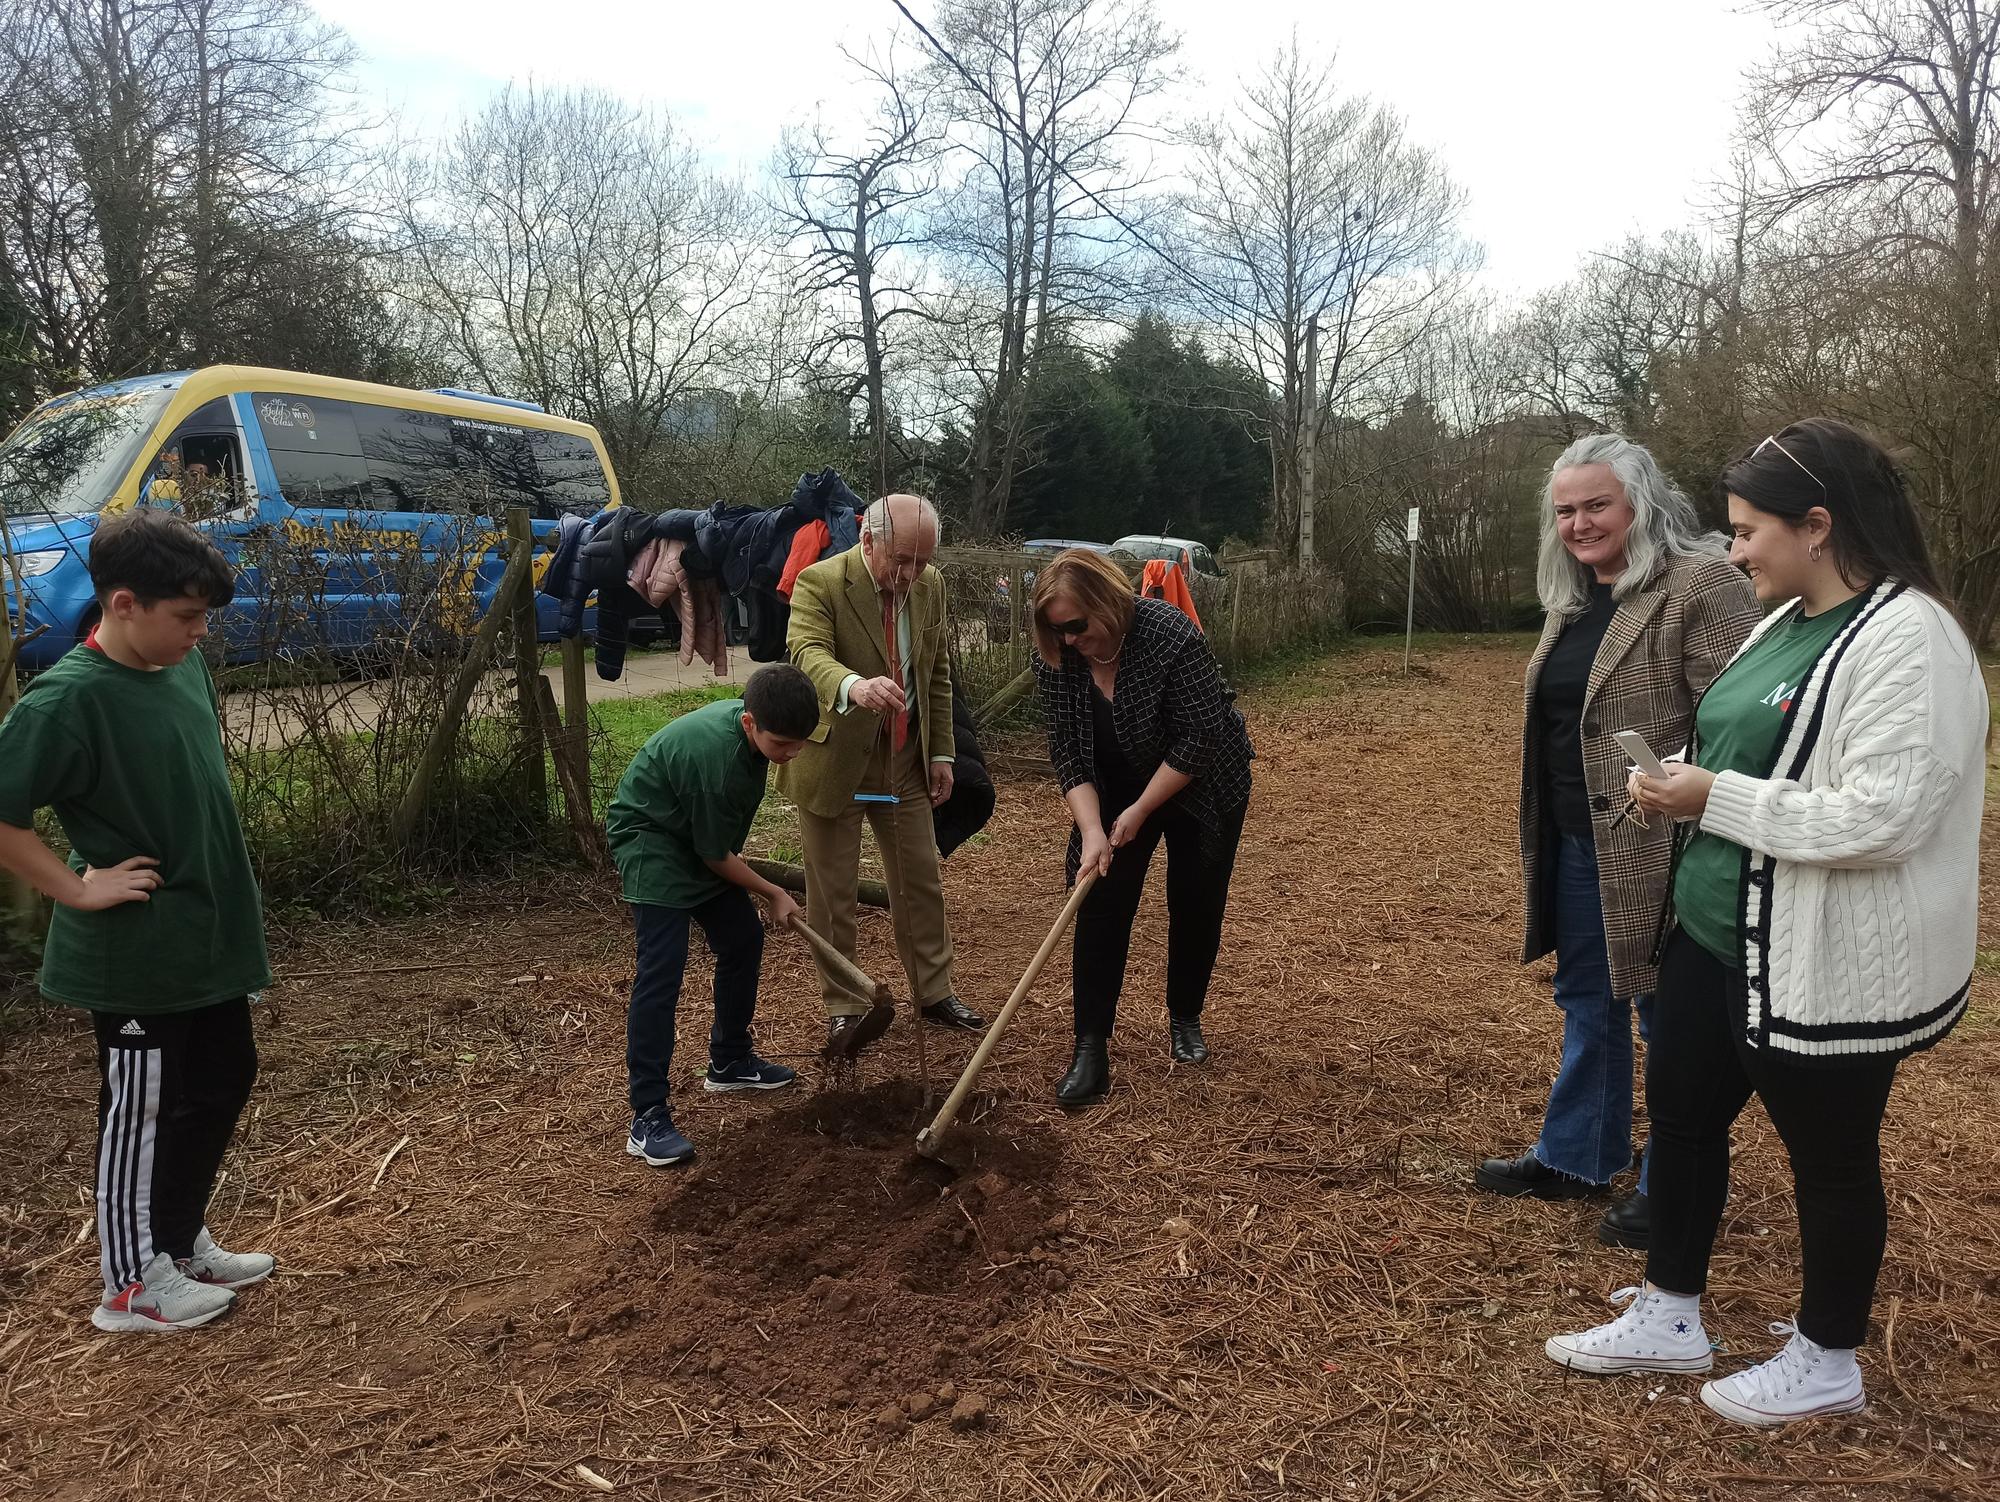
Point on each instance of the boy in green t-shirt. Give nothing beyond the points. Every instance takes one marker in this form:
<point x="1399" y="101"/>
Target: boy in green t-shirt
<point x="159" y="926"/>
<point x="676" y="826"/>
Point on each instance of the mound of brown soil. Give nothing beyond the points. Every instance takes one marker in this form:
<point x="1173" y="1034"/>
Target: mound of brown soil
<point x="811" y="1256"/>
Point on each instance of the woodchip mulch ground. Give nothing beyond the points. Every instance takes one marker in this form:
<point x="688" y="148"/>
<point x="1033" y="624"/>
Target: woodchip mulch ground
<point x="1267" y="1278"/>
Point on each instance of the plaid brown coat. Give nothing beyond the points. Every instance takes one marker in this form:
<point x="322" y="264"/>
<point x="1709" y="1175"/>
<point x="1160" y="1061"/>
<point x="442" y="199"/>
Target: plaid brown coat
<point x="1663" y="647"/>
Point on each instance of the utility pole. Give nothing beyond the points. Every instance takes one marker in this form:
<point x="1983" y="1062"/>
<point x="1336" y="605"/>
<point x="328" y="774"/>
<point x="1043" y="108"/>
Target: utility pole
<point x="1308" y="441"/>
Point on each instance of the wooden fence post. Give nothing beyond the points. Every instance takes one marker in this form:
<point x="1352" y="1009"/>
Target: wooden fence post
<point x="576" y="702"/>
<point x="1016" y="612"/>
<point x="527" y="661"/>
<point x="574" y="779"/>
<point x="518" y="579"/>
<point x="1236" y="621"/>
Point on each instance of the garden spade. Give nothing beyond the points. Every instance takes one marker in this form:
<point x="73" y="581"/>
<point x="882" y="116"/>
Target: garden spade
<point x="932" y="1136"/>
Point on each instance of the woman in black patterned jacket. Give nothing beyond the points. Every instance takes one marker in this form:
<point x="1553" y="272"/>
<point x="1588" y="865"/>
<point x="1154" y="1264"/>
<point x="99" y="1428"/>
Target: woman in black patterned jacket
<point x="1148" y="746"/>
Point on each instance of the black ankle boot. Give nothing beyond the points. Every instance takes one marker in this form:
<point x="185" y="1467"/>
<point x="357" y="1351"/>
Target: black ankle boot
<point x="1628" y="1223"/>
<point x="1089" y="1075"/>
<point x="1187" y="1046"/>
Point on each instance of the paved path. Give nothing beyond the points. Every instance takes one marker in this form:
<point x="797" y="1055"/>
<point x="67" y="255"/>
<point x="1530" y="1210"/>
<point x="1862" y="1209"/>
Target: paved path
<point x="277" y="717"/>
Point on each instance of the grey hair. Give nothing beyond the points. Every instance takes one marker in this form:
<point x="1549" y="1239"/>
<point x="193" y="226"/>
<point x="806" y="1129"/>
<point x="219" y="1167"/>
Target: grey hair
<point x="1664" y="525"/>
<point x="875" y="520"/>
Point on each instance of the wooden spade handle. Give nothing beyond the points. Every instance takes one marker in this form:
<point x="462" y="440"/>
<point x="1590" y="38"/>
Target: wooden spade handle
<point x="932" y="1135"/>
<point x="845" y="970"/>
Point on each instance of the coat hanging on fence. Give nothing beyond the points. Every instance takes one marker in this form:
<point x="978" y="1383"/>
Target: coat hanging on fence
<point x="698" y="561"/>
<point x="1162" y="580"/>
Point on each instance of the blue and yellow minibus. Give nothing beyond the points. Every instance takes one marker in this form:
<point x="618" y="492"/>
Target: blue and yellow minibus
<point x="346" y="474"/>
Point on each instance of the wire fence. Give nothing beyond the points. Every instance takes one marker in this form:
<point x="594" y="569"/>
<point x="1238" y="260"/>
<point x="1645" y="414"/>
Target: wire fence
<point x="388" y="729"/>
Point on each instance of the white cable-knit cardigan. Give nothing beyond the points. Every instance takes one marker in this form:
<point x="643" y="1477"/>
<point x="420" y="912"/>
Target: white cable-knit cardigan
<point x="1861" y="891"/>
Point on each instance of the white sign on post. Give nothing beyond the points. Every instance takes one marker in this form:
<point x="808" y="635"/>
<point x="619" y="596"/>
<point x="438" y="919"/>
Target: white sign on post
<point x="1410" y="609"/>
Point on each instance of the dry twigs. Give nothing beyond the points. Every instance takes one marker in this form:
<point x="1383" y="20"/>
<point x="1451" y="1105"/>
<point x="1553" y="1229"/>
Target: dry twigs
<point x="1271" y="1279"/>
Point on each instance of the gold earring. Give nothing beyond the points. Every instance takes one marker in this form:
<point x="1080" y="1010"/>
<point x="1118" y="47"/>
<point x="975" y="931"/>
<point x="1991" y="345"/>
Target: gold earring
<point x="1812" y="552"/>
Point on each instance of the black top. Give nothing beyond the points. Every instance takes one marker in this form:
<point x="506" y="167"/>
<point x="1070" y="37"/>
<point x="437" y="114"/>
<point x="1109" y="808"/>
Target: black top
<point x="1559" y="710"/>
<point x="1171" y="706"/>
<point x="1118" y="785"/>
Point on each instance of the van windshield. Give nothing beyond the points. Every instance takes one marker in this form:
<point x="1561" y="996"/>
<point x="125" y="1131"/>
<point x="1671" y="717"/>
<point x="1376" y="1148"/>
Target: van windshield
<point x="67" y="459"/>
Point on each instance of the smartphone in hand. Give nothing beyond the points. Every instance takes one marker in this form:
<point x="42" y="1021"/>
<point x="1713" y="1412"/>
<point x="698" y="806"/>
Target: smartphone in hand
<point x="1635" y="746"/>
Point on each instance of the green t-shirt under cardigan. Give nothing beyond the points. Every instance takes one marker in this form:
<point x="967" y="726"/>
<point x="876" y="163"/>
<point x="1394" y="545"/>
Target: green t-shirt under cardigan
<point x="1737" y="726"/>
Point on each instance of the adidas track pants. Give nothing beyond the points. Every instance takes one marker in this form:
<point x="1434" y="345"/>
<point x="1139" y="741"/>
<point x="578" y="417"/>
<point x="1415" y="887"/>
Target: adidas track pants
<point x="171" y="1087"/>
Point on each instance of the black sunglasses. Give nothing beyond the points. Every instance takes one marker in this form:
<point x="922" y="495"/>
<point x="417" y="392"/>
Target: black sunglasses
<point x="1069" y="628"/>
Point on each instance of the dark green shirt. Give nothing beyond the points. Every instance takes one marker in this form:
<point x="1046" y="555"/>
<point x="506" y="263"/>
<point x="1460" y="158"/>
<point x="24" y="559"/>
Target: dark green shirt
<point x="131" y="762"/>
<point x="688" y="798"/>
<point x="1738" y="726"/>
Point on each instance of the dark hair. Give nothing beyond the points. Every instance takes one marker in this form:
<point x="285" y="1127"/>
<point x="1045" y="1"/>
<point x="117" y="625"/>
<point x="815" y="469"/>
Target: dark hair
<point x="1820" y="462"/>
<point x="157" y="556"/>
<point x="783" y="701"/>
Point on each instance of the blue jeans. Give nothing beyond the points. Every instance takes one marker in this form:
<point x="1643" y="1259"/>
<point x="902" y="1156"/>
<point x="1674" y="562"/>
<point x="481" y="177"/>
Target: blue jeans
<point x="735" y="935"/>
<point x="1587" y="1132"/>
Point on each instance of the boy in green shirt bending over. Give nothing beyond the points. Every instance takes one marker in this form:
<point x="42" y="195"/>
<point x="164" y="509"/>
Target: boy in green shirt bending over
<point x="159" y="925"/>
<point x="676" y="825"/>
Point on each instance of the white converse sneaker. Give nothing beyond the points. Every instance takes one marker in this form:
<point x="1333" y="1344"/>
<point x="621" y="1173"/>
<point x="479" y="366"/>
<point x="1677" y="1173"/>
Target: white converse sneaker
<point x="210" y="1264"/>
<point x="164" y="1298"/>
<point x="1805" y="1380"/>
<point x="1659" y="1332"/>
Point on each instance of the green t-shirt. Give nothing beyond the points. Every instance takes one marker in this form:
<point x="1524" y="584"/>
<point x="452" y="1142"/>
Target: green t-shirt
<point x="688" y="798"/>
<point x="132" y="764"/>
<point x="1738" y="725"/>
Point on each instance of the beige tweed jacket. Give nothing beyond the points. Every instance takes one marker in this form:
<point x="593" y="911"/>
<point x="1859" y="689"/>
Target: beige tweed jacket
<point x="1663" y="647"/>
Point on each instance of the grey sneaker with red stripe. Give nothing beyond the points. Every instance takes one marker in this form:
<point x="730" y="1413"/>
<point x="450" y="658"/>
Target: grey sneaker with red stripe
<point x="164" y="1298"/>
<point x="210" y="1264"/>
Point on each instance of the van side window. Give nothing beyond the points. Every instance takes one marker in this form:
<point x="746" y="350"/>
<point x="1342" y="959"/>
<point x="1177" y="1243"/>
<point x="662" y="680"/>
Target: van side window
<point x="498" y="465"/>
<point x="572" y="476"/>
<point x="315" y="449"/>
<point x="200" y="468"/>
<point x="406" y="452"/>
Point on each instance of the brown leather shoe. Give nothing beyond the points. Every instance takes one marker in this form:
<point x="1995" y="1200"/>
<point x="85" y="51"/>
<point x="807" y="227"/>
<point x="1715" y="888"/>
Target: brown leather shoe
<point x="847" y="1036"/>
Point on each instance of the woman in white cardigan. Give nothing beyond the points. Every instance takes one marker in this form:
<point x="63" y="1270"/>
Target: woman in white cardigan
<point x="1823" y="913"/>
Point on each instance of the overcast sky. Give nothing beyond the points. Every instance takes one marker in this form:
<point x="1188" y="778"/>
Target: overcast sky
<point x="1569" y="122"/>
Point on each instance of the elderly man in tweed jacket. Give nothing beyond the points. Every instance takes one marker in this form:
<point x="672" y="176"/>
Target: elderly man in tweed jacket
<point x="884" y="748"/>
<point x="1643" y="611"/>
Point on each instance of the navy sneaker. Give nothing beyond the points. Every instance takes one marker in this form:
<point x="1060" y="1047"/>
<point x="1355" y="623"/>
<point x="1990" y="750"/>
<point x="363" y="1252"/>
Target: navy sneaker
<point x="748" y="1073"/>
<point x="656" y="1139"/>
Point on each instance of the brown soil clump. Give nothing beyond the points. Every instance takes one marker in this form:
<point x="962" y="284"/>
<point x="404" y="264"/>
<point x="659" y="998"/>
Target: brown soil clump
<point x="812" y="1257"/>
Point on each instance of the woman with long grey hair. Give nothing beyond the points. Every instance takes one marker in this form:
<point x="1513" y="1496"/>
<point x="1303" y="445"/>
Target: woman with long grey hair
<point x="1643" y="610"/>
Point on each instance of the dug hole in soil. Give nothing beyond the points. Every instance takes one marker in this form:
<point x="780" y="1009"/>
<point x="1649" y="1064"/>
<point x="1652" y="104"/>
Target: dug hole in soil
<point x="811" y="1256"/>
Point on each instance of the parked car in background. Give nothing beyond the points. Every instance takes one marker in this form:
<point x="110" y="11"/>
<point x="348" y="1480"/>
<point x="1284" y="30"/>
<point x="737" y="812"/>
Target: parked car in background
<point x="1146" y="546"/>
<point x="1000" y="615"/>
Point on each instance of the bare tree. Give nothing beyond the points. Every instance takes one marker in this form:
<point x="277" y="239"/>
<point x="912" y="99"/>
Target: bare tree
<point x="576" y="250"/>
<point x="1049" y="97"/>
<point x="858" y="211"/>
<point x="1316" y="225"/>
<point x="183" y="183"/>
<point x="1880" y="123"/>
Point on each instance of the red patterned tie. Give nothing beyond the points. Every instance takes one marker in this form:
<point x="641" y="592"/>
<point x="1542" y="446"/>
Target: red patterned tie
<point x="899" y="725"/>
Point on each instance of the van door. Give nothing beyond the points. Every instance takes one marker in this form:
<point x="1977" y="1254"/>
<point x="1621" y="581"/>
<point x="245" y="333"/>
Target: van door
<point x="328" y="597"/>
<point x="203" y="476"/>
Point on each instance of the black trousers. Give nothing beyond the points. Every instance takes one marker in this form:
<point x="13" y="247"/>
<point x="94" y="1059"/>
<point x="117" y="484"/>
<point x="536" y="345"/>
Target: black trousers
<point x="735" y="937"/>
<point x="171" y="1087"/>
<point x="1700" y="1073"/>
<point x="1197" y="896"/>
